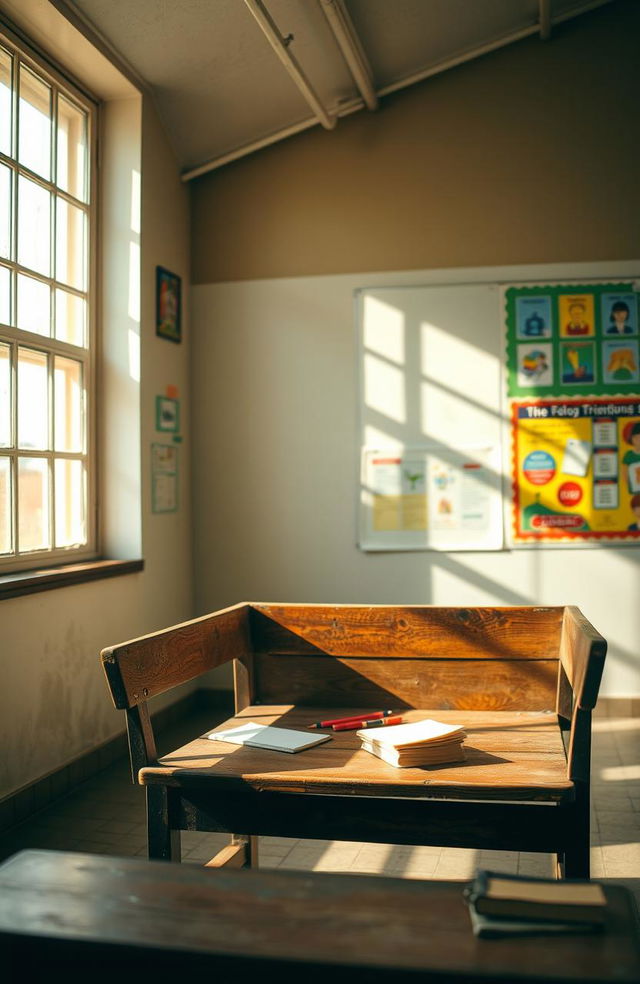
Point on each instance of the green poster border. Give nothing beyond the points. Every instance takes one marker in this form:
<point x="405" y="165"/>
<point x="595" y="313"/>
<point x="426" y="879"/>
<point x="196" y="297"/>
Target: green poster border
<point x="557" y="389"/>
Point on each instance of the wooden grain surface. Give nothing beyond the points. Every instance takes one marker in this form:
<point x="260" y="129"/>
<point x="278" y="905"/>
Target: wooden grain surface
<point x="482" y="684"/>
<point x="508" y="754"/>
<point x="285" y="926"/>
<point x="582" y="651"/>
<point x="142" y="668"/>
<point x="408" y="631"/>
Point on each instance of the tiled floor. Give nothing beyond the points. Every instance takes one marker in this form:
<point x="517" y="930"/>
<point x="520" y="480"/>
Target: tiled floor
<point x="106" y="815"/>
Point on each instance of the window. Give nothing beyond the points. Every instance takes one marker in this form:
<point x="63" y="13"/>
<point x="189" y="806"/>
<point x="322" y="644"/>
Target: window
<point x="47" y="480"/>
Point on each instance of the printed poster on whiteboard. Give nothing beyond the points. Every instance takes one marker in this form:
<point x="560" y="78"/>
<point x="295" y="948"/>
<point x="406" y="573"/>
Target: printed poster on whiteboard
<point x="430" y="498"/>
<point x="576" y="472"/>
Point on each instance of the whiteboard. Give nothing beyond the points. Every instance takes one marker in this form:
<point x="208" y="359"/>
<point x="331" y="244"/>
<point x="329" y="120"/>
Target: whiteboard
<point x="430" y="365"/>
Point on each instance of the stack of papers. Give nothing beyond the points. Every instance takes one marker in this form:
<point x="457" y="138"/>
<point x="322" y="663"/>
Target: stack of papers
<point x="424" y="742"/>
<point x="512" y="905"/>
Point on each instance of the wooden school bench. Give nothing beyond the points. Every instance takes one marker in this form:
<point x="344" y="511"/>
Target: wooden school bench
<point x="74" y="916"/>
<point x="522" y="680"/>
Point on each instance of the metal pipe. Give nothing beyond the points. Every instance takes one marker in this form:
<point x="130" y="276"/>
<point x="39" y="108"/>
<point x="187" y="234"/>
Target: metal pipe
<point x="394" y="87"/>
<point x="281" y="47"/>
<point x="351" y="48"/>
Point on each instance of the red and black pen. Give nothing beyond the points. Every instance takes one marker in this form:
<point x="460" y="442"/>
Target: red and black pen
<point x="372" y="716"/>
<point x="361" y="723"/>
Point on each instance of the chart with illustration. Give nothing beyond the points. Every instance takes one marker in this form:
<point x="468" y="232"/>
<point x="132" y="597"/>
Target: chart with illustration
<point x="572" y="339"/>
<point x="431" y="498"/>
<point x="576" y="471"/>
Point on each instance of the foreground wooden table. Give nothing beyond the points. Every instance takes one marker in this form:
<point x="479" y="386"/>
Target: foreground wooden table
<point x="115" y="919"/>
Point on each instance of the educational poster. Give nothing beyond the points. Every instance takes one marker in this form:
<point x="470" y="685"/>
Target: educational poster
<point x="164" y="478"/>
<point x="576" y="471"/>
<point x="430" y="498"/>
<point x="572" y="340"/>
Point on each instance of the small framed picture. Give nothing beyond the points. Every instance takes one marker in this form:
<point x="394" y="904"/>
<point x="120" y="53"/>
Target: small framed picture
<point x="167" y="414"/>
<point x="168" y="305"/>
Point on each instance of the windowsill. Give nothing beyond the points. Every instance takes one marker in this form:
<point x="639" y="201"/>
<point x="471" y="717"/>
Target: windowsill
<point x="28" y="582"/>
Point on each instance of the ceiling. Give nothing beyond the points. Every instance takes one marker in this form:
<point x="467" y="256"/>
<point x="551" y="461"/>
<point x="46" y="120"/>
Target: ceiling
<point x="221" y="87"/>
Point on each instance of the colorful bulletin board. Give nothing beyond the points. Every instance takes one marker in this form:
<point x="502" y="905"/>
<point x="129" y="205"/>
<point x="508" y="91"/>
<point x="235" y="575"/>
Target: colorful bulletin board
<point x="572" y="349"/>
<point x="576" y="470"/>
<point x="572" y="340"/>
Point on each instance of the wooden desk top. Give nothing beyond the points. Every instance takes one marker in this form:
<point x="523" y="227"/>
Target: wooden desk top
<point x="108" y="916"/>
<point x="509" y="754"/>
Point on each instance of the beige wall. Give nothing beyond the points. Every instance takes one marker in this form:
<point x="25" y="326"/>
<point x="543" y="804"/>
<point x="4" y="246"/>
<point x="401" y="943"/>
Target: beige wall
<point x="54" y="702"/>
<point x="527" y="155"/>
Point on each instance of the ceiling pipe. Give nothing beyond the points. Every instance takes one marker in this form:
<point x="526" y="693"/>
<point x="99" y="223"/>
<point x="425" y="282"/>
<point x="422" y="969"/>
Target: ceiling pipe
<point x="357" y="104"/>
<point x="544" y="7"/>
<point x="351" y="48"/>
<point x="281" y="47"/>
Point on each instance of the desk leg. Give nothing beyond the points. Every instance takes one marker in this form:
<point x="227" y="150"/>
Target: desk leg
<point x="162" y="841"/>
<point x="576" y="861"/>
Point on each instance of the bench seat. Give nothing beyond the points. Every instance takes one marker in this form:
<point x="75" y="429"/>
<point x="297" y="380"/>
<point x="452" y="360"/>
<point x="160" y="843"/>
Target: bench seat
<point x="516" y="755"/>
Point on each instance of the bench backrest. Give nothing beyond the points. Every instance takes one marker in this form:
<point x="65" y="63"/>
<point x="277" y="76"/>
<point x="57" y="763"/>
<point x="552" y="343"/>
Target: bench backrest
<point x="511" y="658"/>
<point x="413" y="656"/>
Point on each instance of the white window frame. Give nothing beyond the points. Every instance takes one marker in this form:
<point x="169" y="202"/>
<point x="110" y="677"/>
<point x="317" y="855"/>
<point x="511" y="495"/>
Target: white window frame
<point x="17" y="561"/>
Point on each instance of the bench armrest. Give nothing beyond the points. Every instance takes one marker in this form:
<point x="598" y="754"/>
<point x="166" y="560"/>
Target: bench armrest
<point x="155" y="663"/>
<point x="582" y="654"/>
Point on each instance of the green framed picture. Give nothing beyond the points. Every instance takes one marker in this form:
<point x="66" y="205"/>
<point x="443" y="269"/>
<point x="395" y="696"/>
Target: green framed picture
<point x="167" y="414"/>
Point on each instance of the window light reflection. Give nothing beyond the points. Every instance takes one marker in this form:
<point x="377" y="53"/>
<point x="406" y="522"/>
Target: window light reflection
<point x="384" y="330"/>
<point x="384" y="388"/>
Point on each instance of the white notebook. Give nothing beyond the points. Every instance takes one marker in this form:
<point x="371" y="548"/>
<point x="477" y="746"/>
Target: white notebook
<point x="265" y="736"/>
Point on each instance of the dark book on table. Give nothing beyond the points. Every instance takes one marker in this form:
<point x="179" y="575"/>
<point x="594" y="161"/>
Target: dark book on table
<point x="538" y="899"/>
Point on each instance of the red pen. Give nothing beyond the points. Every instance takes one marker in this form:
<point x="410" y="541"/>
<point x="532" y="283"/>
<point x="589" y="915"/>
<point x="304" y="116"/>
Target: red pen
<point x="373" y="715"/>
<point x="354" y="725"/>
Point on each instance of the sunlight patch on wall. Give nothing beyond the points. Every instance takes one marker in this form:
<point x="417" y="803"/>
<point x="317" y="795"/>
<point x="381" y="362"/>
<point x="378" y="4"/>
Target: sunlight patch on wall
<point x="384" y="330"/>
<point x="459" y="584"/>
<point x="384" y="388"/>
<point x="460" y="387"/>
<point x="135" y="201"/>
<point x="134" y="355"/>
<point x="374" y="437"/>
<point x="134" y="311"/>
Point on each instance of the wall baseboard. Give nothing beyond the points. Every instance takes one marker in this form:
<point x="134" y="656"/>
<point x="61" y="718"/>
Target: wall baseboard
<point x="38" y="795"/>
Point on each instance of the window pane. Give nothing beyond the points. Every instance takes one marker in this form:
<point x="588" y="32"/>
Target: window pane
<point x="5" y="505"/>
<point x="70" y="318"/>
<point x="72" y="149"/>
<point x="70" y="499"/>
<point x="34" y="123"/>
<point x="67" y="388"/>
<point x="34" y="226"/>
<point x="5" y="211"/>
<point x="5" y="295"/>
<point x="33" y="504"/>
<point x="5" y="102"/>
<point x="5" y="396"/>
<point x="70" y="244"/>
<point x="33" y="415"/>
<point x="34" y="313"/>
